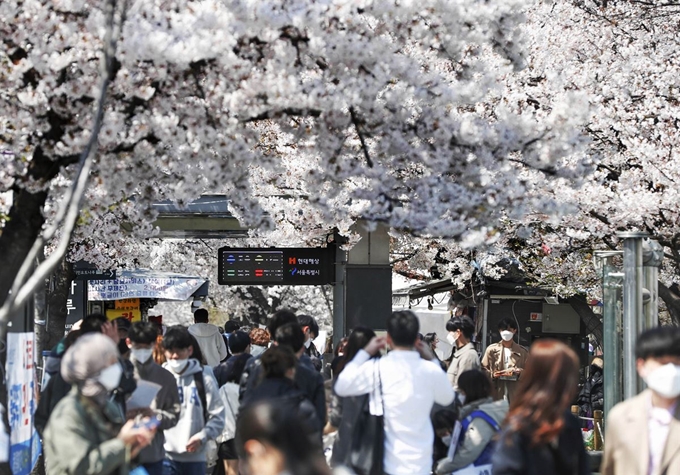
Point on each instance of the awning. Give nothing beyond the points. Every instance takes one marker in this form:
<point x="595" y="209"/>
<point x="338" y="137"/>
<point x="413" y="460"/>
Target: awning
<point x="403" y="297"/>
<point x="149" y="284"/>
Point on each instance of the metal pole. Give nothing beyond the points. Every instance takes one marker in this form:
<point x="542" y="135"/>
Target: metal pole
<point x="632" y="307"/>
<point x="485" y="324"/>
<point x="339" y="321"/>
<point x="611" y="291"/>
<point x="651" y="307"/>
<point x="652" y="257"/>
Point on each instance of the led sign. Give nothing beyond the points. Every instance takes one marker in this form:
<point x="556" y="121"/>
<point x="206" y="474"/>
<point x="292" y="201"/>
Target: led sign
<point x="275" y="266"/>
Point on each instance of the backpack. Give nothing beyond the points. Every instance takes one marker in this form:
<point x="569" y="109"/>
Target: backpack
<point x="485" y="457"/>
<point x="200" y="387"/>
<point x="211" y="445"/>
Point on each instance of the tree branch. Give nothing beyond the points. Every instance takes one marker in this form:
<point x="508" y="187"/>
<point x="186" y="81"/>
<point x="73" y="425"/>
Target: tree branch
<point x="24" y="286"/>
<point x="288" y="111"/>
<point x="364" y="148"/>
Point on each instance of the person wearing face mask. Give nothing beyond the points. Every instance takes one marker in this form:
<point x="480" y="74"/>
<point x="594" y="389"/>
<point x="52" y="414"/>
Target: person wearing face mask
<point x="57" y="388"/>
<point x="461" y="330"/>
<point x="311" y="330"/>
<point x="504" y="361"/>
<point x="141" y="340"/>
<point x="443" y="421"/>
<point x="479" y="420"/>
<point x="86" y="432"/>
<point x="201" y="416"/>
<point x="642" y="434"/>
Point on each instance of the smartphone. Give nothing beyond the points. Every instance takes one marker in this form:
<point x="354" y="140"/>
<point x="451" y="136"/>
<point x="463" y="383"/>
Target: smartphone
<point x="151" y="423"/>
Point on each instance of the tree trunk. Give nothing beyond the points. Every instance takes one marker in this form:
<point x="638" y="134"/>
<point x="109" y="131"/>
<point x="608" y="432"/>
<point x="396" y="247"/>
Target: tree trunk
<point x="18" y="235"/>
<point x="592" y="321"/>
<point x="671" y="297"/>
<point x="26" y="218"/>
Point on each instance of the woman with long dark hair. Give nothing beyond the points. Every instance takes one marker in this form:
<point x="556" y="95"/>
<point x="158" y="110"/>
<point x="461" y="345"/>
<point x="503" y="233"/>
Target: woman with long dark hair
<point x="344" y="410"/>
<point x="540" y="436"/>
<point x="273" y="440"/>
<point x="277" y="383"/>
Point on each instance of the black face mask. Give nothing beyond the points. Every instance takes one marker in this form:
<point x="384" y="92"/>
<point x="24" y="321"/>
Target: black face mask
<point x="122" y="346"/>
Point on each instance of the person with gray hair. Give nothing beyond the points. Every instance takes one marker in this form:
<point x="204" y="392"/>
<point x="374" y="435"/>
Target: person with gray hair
<point x="87" y="434"/>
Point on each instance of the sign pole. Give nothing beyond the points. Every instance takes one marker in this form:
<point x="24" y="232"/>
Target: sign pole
<point x="339" y="320"/>
<point x="632" y="307"/>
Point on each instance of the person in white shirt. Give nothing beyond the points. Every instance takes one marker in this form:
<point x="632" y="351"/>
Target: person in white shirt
<point x="411" y="382"/>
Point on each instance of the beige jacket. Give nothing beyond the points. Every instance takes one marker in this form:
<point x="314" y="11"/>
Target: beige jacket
<point x="493" y="361"/>
<point x="464" y="358"/>
<point x="626" y="450"/>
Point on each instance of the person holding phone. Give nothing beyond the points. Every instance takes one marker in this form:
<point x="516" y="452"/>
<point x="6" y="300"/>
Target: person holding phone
<point x="86" y="432"/>
<point x="165" y="408"/>
<point x="201" y="416"/>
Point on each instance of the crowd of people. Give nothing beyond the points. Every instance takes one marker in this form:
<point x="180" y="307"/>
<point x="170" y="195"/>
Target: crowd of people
<point x="143" y="399"/>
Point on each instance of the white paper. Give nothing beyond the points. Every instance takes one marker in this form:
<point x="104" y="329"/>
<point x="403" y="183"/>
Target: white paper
<point x="143" y="396"/>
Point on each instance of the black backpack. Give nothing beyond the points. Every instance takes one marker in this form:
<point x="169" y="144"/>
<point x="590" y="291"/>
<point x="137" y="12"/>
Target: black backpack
<point x="200" y="387"/>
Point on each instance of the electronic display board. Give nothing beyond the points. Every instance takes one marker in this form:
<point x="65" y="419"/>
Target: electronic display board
<point x="275" y="266"/>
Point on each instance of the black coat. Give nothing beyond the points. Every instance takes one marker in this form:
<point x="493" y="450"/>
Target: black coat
<point x="286" y="394"/>
<point x="591" y="397"/>
<point x="309" y="381"/>
<point x="343" y="415"/>
<point x="230" y="369"/>
<point x="515" y="456"/>
<point x="315" y="356"/>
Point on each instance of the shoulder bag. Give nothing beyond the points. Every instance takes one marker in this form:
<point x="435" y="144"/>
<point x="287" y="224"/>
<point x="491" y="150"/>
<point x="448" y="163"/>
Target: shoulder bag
<point x="368" y="437"/>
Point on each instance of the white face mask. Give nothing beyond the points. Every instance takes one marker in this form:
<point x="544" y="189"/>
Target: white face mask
<point x="507" y="335"/>
<point x="308" y="343"/>
<point x="110" y="377"/>
<point x="141" y="354"/>
<point x="451" y="338"/>
<point x="665" y="381"/>
<point x="177" y="365"/>
<point x="447" y="440"/>
<point x="461" y="398"/>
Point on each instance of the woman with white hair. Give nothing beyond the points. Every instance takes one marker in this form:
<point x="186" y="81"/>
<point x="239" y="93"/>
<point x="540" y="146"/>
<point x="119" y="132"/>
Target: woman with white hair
<point x="86" y="433"/>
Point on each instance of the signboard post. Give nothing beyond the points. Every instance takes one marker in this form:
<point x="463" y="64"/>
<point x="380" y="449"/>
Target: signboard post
<point x="76" y="303"/>
<point x="21" y="399"/>
<point x="276" y="266"/>
<point x="94" y="274"/>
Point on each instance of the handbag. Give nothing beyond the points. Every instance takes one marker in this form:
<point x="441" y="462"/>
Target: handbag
<point x="368" y="437"/>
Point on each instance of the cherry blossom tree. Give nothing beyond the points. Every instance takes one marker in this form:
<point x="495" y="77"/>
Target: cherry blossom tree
<point x="621" y="58"/>
<point x="353" y="109"/>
